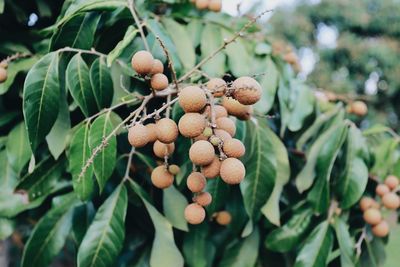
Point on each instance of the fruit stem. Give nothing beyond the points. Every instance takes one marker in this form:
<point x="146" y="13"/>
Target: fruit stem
<point x="170" y="63"/>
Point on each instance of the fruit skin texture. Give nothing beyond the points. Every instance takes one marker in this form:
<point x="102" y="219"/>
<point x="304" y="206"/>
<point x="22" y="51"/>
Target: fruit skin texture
<point x="202" y="4"/>
<point x="392" y="182"/>
<point x="223" y="218"/>
<point x="161" y="178"/>
<point x="158" y="67"/>
<point x="192" y="125"/>
<point x="232" y="171"/>
<point x="372" y="216"/>
<point x="212" y="170"/>
<point x="358" y="108"/>
<point x="227" y="125"/>
<point x="159" y="82"/>
<point x="247" y="90"/>
<point x="138" y="135"/>
<point x="161" y="150"/>
<point x="174" y="169"/>
<point x="234" y="148"/>
<point x="391" y="201"/>
<point x="234" y="108"/>
<point x="167" y="131"/>
<point x="366" y="203"/>
<point x="196" y="182"/>
<point x="219" y="111"/>
<point x="3" y="75"/>
<point x="215" y="5"/>
<point x="142" y="62"/>
<point x="224" y="135"/>
<point x="152" y="131"/>
<point x="194" y="213"/>
<point x="217" y="85"/>
<point x="203" y="199"/>
<point x="192" y="99"/>
<point x="382" y="189"/>
<point x="381" y="229"/>
<point x="201" y="153"/>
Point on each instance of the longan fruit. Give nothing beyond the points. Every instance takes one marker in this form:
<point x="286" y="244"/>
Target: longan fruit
<point x="219" y="111"/>
<point x="192" y="99"/>
<point x="216" y="140"/>
<point x="202" y="4"/>
<point x="203" y="199"/>
<point x="201" y="137"/>
<point x="359" y="108"/>
<point x="3" y="75"/>
<point x="232" y="171"/>
<point x="247" y="90"/>
<point x="372" y="216"/>
<point x="391" y="201"/>
<point x="167" y="131"/>
<point x="159" y="82"/>
<point x="223" y="218"/>
<point x="212" y="170"/>
<point x="196" y="182"/>
<point x="382" y="189"/>
<point x="161" y="177"/>
<point x="194" y="213"/>
<point x="174" y="169"/>
<point x="158" y="67"/>
<point x="138" y="135"/>
<point x="152" y="131"/>
<point x="192" y="125"/>
<point x="236" y="109"/>
<point x="366" y="203"/>
<point x="142" y="62"/>
<point x="381" y="229"/>
<point x="291" y="58"/>
<point x="207" y="132"/>
<point x="392" y="181"/>
<point x="3" y="64"/>
<point x="234" y="148"/>
<point x="215" y="5"/>
<point x="227" y="125"/>
<point x="201" y="153"/>
<point x="222" y="134"/>
<point x="217" y="86"/>
<point x="161" y="150"/>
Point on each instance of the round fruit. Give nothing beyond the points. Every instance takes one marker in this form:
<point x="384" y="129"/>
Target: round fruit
<point x="392" y="182"/>
<point x="232" y="171"/>
<point x="161" y="150"/>
<point x="196" y="182"/>
<point x="202" y="4"/>
<point x="159" y="82"/>
<point x="215" y="140"/>
<point x="227" y="125"/>
<point x="215" y="5"/>
<point x="291" y="58"/>
<point x="234" y="148"/>
<point x="192" y="125"/>
<point x="236" y="109"/>
<point x="366" y="203"/>
<point x="138" y="135"/>
<point x="194" y="213"/>
<point x="381" y="229"/>
<point x="359" y="108"/>
<point x="174" y="169"/>
<point x="152" y="131"/>
<point x="382" y="189"/>
<point x="3" y="75"/>
<point x="203" y="199"/>
<point x="391" y="201"/>
<point x="201" y="137"/>
<point x="158" y="67"/>
<point x="201" y="153"/>
<point x="3" y="64"/>
<point x="167" y="130"/>
<point x="217" y="86"/>
<point x="219" y="111"/>
<point x="192" y="99"/>
<point x="142" y="62"/>
<point x="247" y="90"/>
<point x="207" y="132"/>
<point x="161" y="177"/>
<point x="223" y="218"/>
<point x="224" y="135"/>
<point x="212" y="170"/>
<point x="372" y="216"/>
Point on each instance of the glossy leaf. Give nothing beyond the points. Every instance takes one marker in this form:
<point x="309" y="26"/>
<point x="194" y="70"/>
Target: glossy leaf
<point x="198" y="249"/>
<point x="7" y="227"/>
<point x="237" y="54"/>
<point x="211" y="40"/>
<point x="130" y="34"/>
<point x="100" y="79"/>
<point x="346" y="243"/>
<point x="18" y="149"/>
<point x="194" y="29"/>
<point x="8" y="177"/>
<point x="219" y="191"/>
<point x="174" y="204"/>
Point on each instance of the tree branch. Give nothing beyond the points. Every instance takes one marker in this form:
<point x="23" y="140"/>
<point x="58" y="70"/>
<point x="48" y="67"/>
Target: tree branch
<point x="131" y="6"/>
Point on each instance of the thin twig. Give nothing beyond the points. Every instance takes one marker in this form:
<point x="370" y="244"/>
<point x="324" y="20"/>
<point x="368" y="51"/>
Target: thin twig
<point x="128" y="165"/>
<point x="15" y="57"/>
<point x="77" y="50"/>
<point x="170" y="63"/>
<point x="358" y="245"/>
<point x="111" y="108"/>
<point x="131" y="6"/>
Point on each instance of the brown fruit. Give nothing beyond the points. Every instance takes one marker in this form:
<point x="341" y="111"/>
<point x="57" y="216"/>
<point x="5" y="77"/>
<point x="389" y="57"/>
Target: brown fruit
<point x="291" y="58"/>
<point x="161" y="150"/>
<point x="212" y="170"/>
<point x="152" y="131"/>
<point x="192" y="125"/>
<point x="227" y="125"/>
<point x="366" y="203"/>
<point x="224" y="135"/>
<point x="232" y="171"/>
<point x="217" y="86"/>
<point x="215" y="5"/>
<point x="138" y="135"/>
<point x="381" y="229"/>
<point x="202" y="4"/>
<point x="392" y="182"/>
<point x="167" y="131"/>
<point x="223" y="218"/>
<point x="359" y="108"/>
<point x="382" y="189"/>
<point x="196" y="182"/>
<point x="161" y="177"/>
<point x="159" y="82"/>
<point x="372" y="216"/>
<point x="219" y="111"/>
<point x="247" y="90"/>
<point x="3" y="75"/>
<point x="201" y="153"/>
<point x="201" y="137"/>
<point x="236" y="109"/>
<point x="158" y="67"/>
<point x="192" y="99"/>
<point x="234" y="148"/>
<point x="391" y="201"/>
<point x="142" y="62"/>
<point x="203" y="199"/>
<point x="174" y="169"/>
<point x="3" y="64"/>
<point x="194" y="213"/>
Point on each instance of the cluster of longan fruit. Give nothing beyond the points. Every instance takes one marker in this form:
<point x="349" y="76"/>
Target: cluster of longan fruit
<point x="286" y="52"/>
<point x="3" y="71"/>
<point x="372" y="209"/>
<point x="212" y="5"/>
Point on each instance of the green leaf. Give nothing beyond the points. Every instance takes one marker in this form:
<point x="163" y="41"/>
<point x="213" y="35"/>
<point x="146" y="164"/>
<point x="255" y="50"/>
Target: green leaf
<point x="130" y="34"/>
<point x="18" y="149"/>
<point x="104" y="162"/>
<point x="1" y="6"/>
<point x="301" y="105"/>
<point x="8" y="177"/>
<point x="317" y="247"/>
<point x="346" y="243"/>
<point x="102" y="84"/>
<point x="211" y="40"/>
<point x="219" y="191"/>
<point x="269" y="83"/>
<point x="7" y="227"/>
<point x="195" y="29"/>
<point x="104" y="239"/>
<point x="78" y="83"/>
<point x="41" y="98"/>
<point x="373" y="254"/>
<point x="239" y="59"/>
<point x="49" y="235"/>
<point x="198" y="249"/>
<point x="79" y="153"/>
<point x="164" y="251"/>
<point x="174" y="204"/>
